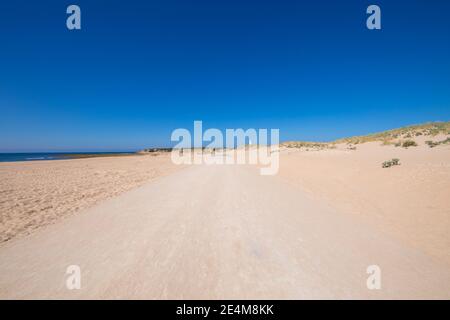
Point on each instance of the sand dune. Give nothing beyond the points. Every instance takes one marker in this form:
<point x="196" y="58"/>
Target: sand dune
<point x="410" y="202"/>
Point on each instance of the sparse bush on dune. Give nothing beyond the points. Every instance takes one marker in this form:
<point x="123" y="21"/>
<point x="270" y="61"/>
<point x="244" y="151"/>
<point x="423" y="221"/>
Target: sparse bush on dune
<point x="409" y="143"/>
<point x="386" y="164"/>
<point x="308" y="145"/>
<point x="387" y="142"/>
<point x="350" y="146"/>
<point x="433" y="144"/>
<point x="390" y="163"/>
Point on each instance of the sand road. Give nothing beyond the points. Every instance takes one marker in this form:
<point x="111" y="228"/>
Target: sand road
<point x="213" y="232"/>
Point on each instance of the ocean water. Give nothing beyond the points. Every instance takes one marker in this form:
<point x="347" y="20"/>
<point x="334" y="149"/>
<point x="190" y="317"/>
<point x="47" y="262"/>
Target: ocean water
<point x="12" y="157"/>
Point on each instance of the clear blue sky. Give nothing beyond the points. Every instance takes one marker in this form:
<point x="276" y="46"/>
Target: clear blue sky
<point x="139" y="69"/>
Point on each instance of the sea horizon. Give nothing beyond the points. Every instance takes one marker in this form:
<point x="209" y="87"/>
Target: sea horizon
<point x="40" y="156"/>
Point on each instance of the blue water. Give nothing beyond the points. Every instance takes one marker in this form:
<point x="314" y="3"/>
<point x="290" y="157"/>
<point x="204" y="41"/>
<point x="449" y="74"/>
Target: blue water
<point x="11" y="157"/>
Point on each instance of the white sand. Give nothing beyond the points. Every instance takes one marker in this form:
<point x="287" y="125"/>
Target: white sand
<point x="37" y="193"/>
<point x="228" y="232"/>
<point x="410" y="202"/>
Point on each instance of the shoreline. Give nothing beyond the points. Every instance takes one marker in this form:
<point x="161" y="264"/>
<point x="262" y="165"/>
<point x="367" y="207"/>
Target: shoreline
<point x="53" y="156"/>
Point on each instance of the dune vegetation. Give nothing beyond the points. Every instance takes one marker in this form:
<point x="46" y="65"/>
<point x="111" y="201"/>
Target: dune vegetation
<point x="400" y="137"/>
<point x="409" y="132"/>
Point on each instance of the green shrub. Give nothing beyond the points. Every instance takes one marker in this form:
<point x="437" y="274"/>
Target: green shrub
<point x="386" y="164"/>
<point x="446" y="141"/>
<point x="390" y="163"/>
<point x="409" y="143"/>
<point x="433" y="144"/>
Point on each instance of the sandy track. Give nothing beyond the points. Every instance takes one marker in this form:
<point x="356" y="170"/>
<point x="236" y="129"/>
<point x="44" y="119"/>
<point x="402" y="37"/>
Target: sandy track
<point x="215" y="232"/>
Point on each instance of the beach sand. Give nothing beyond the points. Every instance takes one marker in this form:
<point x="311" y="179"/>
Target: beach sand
<point x="36" y="193"/>
<point x="227" y="232"/>
<point x="410" y="202"/>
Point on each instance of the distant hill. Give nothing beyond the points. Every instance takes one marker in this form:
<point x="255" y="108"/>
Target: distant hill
<point x="426" y="129"/>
